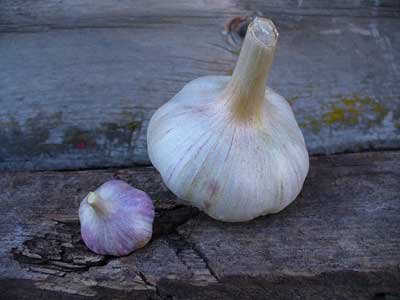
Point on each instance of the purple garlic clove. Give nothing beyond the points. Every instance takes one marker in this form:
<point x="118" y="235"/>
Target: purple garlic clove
<point x="116" y="219"/>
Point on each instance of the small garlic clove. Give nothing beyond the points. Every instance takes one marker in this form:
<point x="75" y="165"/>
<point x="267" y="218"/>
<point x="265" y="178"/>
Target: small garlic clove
<point x="230" y="145"/>
<point x="116" y="219"/>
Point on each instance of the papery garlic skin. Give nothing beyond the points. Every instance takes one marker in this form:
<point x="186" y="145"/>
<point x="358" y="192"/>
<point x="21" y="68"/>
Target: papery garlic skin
<point x="116" y="219"/>
<point x="228" y="145"/>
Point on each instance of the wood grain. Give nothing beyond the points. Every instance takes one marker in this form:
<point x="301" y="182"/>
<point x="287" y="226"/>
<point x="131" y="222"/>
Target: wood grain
<point x="338" y="240"/>
<point x="79" y="80"/>
<point x="20" y="14"/>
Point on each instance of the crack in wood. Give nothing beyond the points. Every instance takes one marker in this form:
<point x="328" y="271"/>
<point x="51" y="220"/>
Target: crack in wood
<point x="167" y="220"/>
<point x="149" y="283"/>
<point x="193" y="259"/>
<point x="202" y="256"/>
<point x="61" y="250"/>
<point x="47" y="271"/>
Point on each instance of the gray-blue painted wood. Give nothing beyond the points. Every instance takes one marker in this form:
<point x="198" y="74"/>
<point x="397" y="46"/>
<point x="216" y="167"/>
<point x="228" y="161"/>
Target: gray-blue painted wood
<point x="79" y="81"/>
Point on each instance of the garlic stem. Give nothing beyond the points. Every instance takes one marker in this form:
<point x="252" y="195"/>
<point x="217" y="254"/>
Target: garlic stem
<point x="96" y="202"/>
<point x="246" y="90"/>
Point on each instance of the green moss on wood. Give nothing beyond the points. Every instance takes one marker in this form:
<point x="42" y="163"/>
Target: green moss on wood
<point x="315" y="125"/>
<point x="133" y="125"/>
<point x="310" y="87"/>
<point x="79" y="138"/>
<point x="28" y="138"/>
<point x="236" y="52"/>
<point x="12" y="124"/>
<point x="303" y="124"/>
<point x="293" y="99"/>
<point x="229" y="72"/>
<point x="380" y="111"/>
<point x="350" y="111"/>
<point x="335" y="115"/>
<point x="350" y="101"/>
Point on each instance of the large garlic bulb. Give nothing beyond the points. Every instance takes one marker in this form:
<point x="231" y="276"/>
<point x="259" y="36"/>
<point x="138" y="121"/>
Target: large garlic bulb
<point x="229" y="145"/>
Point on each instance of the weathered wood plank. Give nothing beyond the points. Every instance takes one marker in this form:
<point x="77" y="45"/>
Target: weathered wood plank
<point x="22" y="14"/>
<point x="78" y="85"/>
<point x="338" y="240"/>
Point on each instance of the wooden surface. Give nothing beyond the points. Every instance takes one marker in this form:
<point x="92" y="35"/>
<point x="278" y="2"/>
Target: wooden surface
<point x="339" y="240"/>
<point x="79" y="80"/>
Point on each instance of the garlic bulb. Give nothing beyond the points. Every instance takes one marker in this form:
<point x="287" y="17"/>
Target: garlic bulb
<point x="116" y="219"/>
<point x="229" y="145"/>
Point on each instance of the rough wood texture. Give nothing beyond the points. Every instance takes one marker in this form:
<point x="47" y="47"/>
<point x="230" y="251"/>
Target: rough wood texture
<point x="79" y="80"/>
<point x="339" y="240"/>
<point x="46" y="13"/>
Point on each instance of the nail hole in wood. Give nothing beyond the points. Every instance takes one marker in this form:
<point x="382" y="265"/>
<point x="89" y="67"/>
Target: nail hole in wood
<point x="238" y="26"/>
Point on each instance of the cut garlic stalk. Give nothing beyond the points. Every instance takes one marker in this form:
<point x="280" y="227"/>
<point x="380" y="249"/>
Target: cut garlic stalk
<point x="229" y="145"/>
